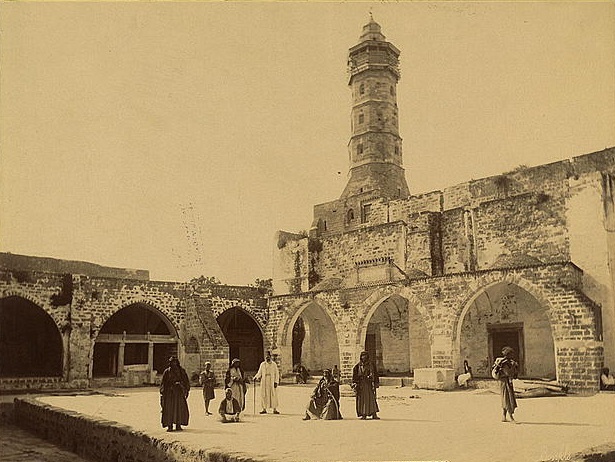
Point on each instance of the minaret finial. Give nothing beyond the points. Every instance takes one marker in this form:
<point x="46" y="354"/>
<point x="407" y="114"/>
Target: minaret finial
<point x="371" y="13"/>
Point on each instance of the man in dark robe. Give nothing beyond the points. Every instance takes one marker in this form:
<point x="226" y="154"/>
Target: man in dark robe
<point x="505" y="369"/>
<point x="174" y="390"/>
<point x="364" y="384"/>
<point x="325" y="400"/>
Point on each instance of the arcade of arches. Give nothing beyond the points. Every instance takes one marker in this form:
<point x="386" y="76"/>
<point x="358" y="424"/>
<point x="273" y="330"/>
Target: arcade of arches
<point x="506" y="314"/>
<point x="244" y="337"/>
<point x="30" y="342"/>
<point x="137" y="337"/>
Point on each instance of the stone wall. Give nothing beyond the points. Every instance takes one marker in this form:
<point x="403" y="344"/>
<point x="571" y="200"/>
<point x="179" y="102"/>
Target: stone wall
<point x="81" y="305"/>
<point x="104" y="441"/>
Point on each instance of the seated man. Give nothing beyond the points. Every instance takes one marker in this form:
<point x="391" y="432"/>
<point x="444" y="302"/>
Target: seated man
<point x="301" y="373"/>
<point x="229" y="409"/>
<point x="464" y="379"/>
<point x="607" y="381"/>
<point x="325" y="400"/>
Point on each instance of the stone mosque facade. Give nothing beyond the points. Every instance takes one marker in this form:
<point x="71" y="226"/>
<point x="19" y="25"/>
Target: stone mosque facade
<point x="422" y="282"/>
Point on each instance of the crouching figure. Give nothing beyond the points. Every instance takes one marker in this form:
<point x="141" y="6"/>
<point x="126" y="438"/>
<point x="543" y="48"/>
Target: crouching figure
<point x="230" y="408"/>
<point x="325" y="400"/>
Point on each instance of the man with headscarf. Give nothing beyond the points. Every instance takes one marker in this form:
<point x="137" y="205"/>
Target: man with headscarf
<point x="229" y="409"/>
<point x="174" y="389"/>
<point x="269" y="375"/>
<point x="207" y="379"/>
<point x="505" y="369"/>
<point x="236" y="380"/>
<point x="325" y="400"/>
<point x="364" y="383"/>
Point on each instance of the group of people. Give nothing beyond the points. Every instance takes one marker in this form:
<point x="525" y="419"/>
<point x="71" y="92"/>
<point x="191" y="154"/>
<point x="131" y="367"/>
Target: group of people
<point x="175" y="386"/>
<point x="324" y="401"/>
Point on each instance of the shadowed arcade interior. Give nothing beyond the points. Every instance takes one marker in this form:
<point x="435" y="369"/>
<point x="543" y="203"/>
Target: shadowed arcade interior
<point x="30" y="342"/>
<point x="397" y="338"/>
<point x="314" y="340"/>
<point x="244" y="337"/>
<point x="507" y="315"/>
<point x="136" y="335"/>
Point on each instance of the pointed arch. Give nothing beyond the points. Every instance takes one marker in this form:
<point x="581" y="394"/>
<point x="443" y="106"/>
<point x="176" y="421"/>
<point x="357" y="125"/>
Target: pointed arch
<point x="30" y="341"/>
<point x="244" y="336"/>
<point x="320" y="346"/>
<point x="506" y="311"/>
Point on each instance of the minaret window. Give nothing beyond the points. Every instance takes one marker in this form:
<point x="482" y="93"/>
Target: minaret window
<point x="350" y="215"/>
<point x="392" y="90"/>
<point x="360" y="148"/>
<point x="362" y="89"/>
<point x="366" y="212"/>
<point x="361" y="118"/>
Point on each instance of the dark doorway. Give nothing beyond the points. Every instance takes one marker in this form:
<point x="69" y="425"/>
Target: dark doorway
<point x="298" y="337"/>
<point x="105" y="359"/>
<point x="501" y="335"/>
<point x="244" y="338"/>
<point x="30" y="342"/>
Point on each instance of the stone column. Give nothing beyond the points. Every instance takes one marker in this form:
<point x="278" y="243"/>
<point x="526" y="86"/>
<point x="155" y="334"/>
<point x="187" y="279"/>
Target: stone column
<point x="150" y="359"/>
<point x="120" y="358"/>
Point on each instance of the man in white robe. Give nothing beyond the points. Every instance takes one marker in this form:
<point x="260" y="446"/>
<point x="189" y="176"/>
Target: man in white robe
<point x="269" y="376"/>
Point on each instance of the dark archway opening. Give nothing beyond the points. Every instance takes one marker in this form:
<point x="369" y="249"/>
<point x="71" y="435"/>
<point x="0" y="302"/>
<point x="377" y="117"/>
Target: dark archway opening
<point x="297" y="342"/>
<point x="243" y="336"/>
<point x="137" y="335"/>
<point x="30" y="342"/>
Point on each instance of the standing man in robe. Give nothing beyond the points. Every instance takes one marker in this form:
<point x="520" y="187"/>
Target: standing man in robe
<point x="504" y="370"/>
<point x="174" y="389"/>
<point x="207" y="379"/>
<point x="364" y="383"/>
<point x="236" y="380"/>
<point x="269" y="375"/>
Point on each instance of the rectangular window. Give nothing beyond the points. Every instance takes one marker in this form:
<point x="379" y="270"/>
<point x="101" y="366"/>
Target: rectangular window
<point x="366" y="212"/>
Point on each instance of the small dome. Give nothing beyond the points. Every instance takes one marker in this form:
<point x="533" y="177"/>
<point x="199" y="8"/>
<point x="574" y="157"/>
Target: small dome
<point x="514" y="261"/>
<point x="372" y="31"/>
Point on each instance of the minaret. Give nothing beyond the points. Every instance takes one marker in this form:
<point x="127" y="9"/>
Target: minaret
<point x="375" y="145"/>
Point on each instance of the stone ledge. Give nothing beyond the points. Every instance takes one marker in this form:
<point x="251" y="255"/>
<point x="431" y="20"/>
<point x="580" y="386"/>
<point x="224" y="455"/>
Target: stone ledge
<point x="106" y="441"/>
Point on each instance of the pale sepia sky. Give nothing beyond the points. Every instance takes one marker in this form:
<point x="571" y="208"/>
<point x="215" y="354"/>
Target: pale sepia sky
<point x="115" y="117"/>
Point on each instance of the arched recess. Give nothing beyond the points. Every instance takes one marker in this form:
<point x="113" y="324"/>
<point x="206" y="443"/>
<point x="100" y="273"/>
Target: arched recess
<point x="138" y="336"/>
<point x="318" y="348"/>
<point x="30" y="342"/>
<point x="396" y="336"/>
<point x="244" y="337"/>
<point x="504" y="313"/>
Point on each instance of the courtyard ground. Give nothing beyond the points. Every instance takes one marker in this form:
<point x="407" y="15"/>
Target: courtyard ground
<point x="415" y="425"/>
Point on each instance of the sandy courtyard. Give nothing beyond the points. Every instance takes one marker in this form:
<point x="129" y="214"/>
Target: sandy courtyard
<point x="416" y="425"/>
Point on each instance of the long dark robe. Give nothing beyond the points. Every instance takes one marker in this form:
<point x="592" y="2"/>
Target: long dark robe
<point x="365" y="382"/>
<point x="506" y="371"/>
<point x="325" y="401"/>
<point x="173" y="396"/>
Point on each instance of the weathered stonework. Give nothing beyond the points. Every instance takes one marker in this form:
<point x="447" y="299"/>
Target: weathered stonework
<point x="524" y="257"/>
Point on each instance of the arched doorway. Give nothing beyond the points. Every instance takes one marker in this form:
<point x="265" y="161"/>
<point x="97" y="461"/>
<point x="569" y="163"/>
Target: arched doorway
<point x="397" y="338"/>
<point x="30" y="342"/>
<point x="138" y="337"/>
<point x="244" y="337"/>
<point x="506" y="314"/>
<point x="314" y="339"/>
